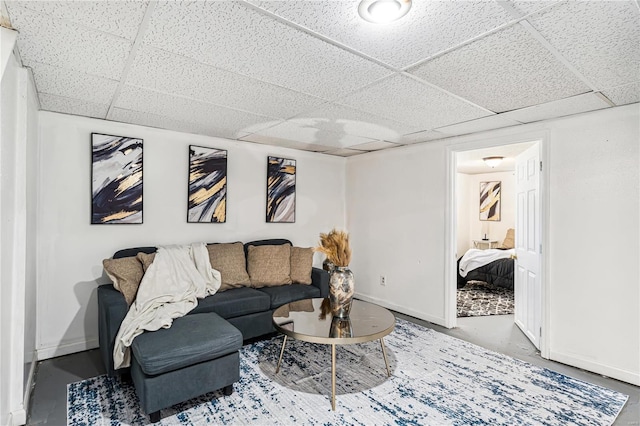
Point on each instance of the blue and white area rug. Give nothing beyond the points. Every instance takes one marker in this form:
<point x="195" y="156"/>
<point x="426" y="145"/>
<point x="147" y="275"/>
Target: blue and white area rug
<point x="436" y="379"/>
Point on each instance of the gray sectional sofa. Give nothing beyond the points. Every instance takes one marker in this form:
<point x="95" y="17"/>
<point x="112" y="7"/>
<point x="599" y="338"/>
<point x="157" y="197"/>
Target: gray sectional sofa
<point x="172" y="365"/>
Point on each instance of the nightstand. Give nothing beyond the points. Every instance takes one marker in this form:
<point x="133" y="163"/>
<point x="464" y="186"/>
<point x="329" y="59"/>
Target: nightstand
<point x="485" y="244"/>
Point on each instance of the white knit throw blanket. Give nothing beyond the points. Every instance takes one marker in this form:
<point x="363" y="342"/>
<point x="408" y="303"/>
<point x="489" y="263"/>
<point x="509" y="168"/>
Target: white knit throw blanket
<point x="475" y="258"/>
<point x="170" y="288"/>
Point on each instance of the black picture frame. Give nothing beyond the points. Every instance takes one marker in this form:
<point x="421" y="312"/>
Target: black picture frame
<point x="207" y="185"/>
<point x="281" y="190"/>
<point x="116" y="179"/>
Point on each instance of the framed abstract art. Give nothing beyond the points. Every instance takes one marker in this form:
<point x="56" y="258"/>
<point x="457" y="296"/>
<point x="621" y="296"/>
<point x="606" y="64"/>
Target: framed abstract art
<point x="490" y="201"/>
<point x="207" y="185"/>
<point x="116" y="179"/>
<point x="281" y="190"/>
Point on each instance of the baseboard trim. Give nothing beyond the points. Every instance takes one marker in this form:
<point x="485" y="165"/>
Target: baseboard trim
<point x="401" y="309"/>
<point x="595" y="367"/>
<point x="18" y="417"/>
<point x="66" y="349"/>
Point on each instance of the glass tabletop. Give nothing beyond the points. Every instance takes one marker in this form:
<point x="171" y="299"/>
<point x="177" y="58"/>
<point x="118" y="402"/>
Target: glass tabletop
<point x="310" y="320"/>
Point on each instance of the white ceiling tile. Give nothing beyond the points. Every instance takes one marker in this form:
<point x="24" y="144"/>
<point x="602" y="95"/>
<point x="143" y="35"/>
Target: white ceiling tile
<point x="231" y="36"/>
<point x="479" y="125"/>
<point x="121" y="17"/>
<point x="151" y="120"/>
<point x="304" y="130"/>
<point x="600" y="38"/>
<point x="403" y="99"/>
<point x="191" y="111"/>
<point x="67" y="45"/>
<point x="424" y="31"/>
<point x="72" y="106"/>
<point x="374" y="146"/>
<point x="424" y="136"/>
<point x="342" y="119"/>
<point x="73" y="84"/>
<point x="623" y="95"/>
<point x="530" y="6"/>
<point x="503" y="71"/>
<point x="160" y="70"/>
<point x="344" y="152"/>
<point x="285" y="143"/>
<point x="573" y="105"/>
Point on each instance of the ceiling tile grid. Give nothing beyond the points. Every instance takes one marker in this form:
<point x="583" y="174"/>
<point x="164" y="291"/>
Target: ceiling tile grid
<point x="344" y="152"/>
<point x="503" y="71"/>
<point x="423" y="136"/>
<point x="374" y="146"/>
<point x="560" y="108"/>
<point x="182" y="109"/>
<point x="428" y="28"/>
<point x="164" y="71"/>
<point x="342" y="119"/>
<point x="623" y="95"/>
<point x="67" y="45"/>
<point x="230" y="36"/>
<point x="408" y="101"/>
<point x="72" y="106"/>
<point x="479" y="125"/>
<point x="600" y="38"/>
<point x="121" y="18"/>
<point x="73" y="84"/>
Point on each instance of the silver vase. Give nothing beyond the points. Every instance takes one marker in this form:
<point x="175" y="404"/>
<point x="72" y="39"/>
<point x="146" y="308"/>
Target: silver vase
<point x="341" y="288"/>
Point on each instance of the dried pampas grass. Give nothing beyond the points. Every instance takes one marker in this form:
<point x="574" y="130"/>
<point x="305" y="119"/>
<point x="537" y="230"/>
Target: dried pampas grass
<point x="335" y="245"/>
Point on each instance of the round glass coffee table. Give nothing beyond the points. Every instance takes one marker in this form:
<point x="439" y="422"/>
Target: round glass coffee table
<point x="310" y="320"/>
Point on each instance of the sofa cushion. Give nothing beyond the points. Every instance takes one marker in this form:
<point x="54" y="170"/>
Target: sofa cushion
<point x="269" y="265"/>
<point x="301" y="265"/>
<point x="190" y="340"/>
<point x="290" y="293"/>
<point x="126" y="274"/>
<point x="146" y="260"/>
<point x="230" y="260"/>
<point x="234" y="302"/>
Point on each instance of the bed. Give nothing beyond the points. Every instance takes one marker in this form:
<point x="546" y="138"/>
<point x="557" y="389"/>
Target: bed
<point x="493" y="266"/>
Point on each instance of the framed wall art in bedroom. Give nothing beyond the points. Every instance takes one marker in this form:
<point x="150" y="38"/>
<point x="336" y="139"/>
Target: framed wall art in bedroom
<point x="490" y="201"/>
<point x="116" y="179"/>
<point x="207" y="201"/>
<point x="281" y="190"/>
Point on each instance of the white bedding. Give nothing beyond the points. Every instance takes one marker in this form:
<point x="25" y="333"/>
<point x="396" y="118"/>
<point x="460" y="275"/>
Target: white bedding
<point x="475" y="258"/>
<point x="170" y="288"/>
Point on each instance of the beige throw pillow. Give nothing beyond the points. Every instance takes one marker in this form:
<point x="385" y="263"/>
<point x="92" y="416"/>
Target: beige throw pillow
<point x="269" y="265"/>
<point x="126" y="274"/>
<point x="146" y="260"/>
<point x="230" y="261"/>
<point x="301" y="265"/>
<point x="510" y="239"/>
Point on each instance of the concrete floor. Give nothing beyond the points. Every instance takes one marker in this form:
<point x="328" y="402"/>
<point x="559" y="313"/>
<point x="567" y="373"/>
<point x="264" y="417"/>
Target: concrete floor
<point x="497" y="333"/>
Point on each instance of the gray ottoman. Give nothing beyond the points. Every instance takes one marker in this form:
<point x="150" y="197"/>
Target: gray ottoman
<point x="197" y="355"/>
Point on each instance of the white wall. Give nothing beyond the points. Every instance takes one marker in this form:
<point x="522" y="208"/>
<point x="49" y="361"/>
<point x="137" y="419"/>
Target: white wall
<point x="70" y="250"/>
<point x="470" y="227"/>
<point x="396" y="204"/>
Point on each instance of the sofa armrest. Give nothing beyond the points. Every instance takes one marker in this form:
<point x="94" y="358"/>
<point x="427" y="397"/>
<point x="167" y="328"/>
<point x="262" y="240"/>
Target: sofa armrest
<point x="112" y="308"/>
<point x="320" y="279"/>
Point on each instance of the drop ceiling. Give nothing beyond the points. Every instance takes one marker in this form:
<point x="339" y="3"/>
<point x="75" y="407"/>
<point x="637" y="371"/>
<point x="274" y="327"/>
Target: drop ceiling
<point x="312" y="75"/>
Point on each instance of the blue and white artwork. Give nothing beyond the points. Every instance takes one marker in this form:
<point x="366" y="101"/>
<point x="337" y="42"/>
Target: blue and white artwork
<point x="207" y="185"/>
<point x="116" y="186"/>
<point x="281" y="190"/>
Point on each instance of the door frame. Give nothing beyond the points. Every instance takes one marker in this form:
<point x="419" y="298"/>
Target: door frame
<point x="450" y="282"/>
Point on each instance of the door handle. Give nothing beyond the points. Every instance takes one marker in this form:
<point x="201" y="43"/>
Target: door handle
<point x="514" y="256"/>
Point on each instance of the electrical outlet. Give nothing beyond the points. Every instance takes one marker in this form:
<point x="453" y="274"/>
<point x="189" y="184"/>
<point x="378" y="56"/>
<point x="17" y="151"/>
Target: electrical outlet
<point x="383" y="280"/>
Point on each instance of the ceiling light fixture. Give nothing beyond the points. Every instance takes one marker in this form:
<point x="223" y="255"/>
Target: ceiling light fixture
<point x="493" y="161"/>
<point x="383" y="11"/>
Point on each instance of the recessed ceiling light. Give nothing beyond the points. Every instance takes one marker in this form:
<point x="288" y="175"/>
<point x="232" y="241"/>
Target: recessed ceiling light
<point x="383" y="11"/>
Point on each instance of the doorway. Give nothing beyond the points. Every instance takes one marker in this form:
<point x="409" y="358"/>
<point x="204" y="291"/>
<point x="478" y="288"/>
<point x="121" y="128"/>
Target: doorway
<point x="519" y="209"/>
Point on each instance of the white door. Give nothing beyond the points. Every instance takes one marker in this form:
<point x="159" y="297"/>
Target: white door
<point x="527" y="282"/>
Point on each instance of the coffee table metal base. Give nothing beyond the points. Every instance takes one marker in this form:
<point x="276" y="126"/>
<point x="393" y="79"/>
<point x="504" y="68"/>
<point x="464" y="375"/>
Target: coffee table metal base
<point x="333" y="367"/>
